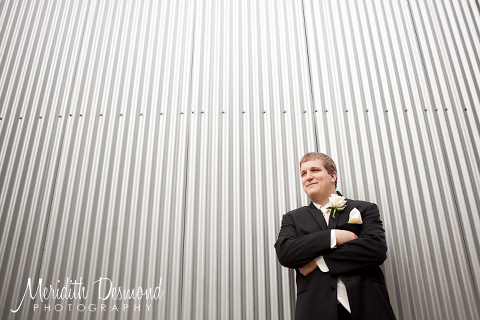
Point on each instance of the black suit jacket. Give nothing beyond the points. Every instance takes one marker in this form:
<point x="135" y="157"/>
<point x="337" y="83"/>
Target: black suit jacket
<point x="304" y="236"/>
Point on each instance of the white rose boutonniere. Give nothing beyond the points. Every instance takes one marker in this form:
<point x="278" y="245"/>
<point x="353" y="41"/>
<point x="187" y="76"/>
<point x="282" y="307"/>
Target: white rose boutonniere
<point x="355" y="217"/>
<point x="337" y="203"/>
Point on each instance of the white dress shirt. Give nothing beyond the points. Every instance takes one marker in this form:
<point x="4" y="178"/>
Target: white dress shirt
<point x="342" y="296"/>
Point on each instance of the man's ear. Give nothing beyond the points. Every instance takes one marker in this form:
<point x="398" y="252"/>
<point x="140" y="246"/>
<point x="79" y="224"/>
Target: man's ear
<point x="334" y="176"/>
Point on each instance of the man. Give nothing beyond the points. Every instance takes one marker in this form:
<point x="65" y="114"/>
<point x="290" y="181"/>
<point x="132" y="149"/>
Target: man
<point x="336" y="247"/>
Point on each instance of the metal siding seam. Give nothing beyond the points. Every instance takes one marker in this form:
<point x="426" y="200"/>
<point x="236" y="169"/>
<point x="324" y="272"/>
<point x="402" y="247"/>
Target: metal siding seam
<point x="328" y="149"/>
<point x="194" y="206"/>
<point x="452" y="138"/>
<point x="460" y="124"/>
<point x="304" y="86"/>
<point x="32" y="145"/>
<point x="403" y="156"/>
<point x="430" y="94"/>
<point x="415" y="166"/>
<point x="391" y="208"/>
<point x="437" y="122"/>
<point x="58" y="162"/>
<point x="187" y="306"/>
<point x="312" y="98"/>
<point x="417" y="174"/>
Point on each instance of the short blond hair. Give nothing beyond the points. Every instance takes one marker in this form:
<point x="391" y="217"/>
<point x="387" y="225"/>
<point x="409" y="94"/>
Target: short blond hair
<point x="327" y="162"/>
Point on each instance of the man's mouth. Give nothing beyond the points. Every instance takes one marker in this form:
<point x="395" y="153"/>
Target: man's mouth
<point x="311" y="184"/>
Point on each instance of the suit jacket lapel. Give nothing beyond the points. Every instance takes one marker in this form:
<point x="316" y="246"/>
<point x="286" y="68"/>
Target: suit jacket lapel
<point x="318" y="215"/>
<point x="332" y="223"/>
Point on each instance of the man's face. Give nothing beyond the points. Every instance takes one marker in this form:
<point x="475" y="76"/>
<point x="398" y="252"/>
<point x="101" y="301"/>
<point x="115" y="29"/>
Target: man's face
<point x="317" y="183"/>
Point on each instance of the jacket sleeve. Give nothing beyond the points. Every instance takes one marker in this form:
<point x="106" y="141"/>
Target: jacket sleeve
<point x="370" y="249"/>
<point x="294" y="251"/>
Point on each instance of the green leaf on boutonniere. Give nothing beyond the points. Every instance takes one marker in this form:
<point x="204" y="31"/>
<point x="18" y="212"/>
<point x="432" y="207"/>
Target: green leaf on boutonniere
<point x="335" y="209"/>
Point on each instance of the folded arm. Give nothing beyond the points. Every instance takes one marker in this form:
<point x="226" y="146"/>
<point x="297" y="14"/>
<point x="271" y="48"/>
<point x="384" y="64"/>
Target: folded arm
<point x="339" y="237"/>
<point x="294" y="251"/>
<point x="369" y="249"/>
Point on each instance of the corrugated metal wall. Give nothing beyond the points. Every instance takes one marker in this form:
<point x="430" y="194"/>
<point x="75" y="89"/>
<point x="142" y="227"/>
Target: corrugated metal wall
<point x="156" y="143"/>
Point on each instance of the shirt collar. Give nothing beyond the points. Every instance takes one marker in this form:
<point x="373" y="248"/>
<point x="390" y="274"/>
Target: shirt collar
<point x="320" y="207"/>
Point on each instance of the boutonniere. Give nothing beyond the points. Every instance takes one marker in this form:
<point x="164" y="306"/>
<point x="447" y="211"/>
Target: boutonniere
<point x="337" y="203"/>
<point x="355" y="217"/>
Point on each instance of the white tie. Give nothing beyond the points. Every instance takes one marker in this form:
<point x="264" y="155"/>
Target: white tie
<point x="326" y="212"/>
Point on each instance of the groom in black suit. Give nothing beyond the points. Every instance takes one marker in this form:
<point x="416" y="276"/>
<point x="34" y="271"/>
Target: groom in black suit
<point x="336" y="247"/>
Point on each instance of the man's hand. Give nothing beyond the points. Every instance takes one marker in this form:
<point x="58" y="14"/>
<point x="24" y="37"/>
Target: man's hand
<point x="343" y="236"/>
<point x="308" y="268"/>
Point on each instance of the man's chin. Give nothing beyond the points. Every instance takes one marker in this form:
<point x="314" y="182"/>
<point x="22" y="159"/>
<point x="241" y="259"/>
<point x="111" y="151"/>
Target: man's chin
<point x="311" y="195"/>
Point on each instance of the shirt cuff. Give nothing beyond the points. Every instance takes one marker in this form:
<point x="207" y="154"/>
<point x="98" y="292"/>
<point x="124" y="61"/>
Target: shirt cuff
<point x="333" y="239"/>
<point x="322" y="265"/>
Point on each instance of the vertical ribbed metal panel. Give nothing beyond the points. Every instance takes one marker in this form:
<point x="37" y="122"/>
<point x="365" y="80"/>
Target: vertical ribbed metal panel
<point x="39" y="45"/>
<point x="397" y="84"/>
<point x="250" y="87"/>
<point x="156" y="143"/>
<point x="119" y="207"/>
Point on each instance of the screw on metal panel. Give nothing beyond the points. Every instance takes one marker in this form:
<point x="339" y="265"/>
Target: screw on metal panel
<point x="304" y="111"/>
<point x="284" y="111"/>
<point x="101" y="114"/>
<point x="141" y="114"/>
<point x="366" y="110"/>
<point x="20" y="118"/>
<point x="121" y="114"/>
<point x="202" y="112"/>
<point x="80" y="114"/>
